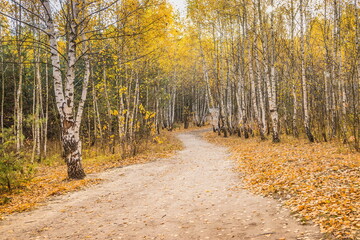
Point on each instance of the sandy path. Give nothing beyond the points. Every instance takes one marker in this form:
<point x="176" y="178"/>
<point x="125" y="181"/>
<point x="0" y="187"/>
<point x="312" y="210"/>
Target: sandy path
<point x="188" y="196"/>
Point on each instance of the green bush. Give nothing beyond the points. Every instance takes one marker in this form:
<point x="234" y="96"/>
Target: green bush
<point x="13" y="168"/>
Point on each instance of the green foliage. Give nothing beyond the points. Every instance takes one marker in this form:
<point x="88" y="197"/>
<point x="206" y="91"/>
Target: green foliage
<point x="13" y="168"/>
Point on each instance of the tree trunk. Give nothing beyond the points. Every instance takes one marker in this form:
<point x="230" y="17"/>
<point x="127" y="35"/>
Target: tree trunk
<point x="254" y="95"/>
<point x="303" y="77"/>
<point x="255" y="82"/>
<point x="295" y="130"/>
<point x="270" y="73"/>
<point x="65" y="96"/>
<point x="18" y="107"/>
<point x="19" y="90"/>
<point x="356" y="82"/>
<point x="2" y="90"/>
<point x="46" y="120"/>
<point x="110" y="134"/>
<point x="72" y="151"/>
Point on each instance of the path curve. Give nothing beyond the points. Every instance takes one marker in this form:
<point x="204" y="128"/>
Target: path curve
<point x="188" y="196"/>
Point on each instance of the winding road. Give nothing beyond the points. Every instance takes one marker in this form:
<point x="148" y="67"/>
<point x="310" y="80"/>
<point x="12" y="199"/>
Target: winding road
<point x="192" y="195"/>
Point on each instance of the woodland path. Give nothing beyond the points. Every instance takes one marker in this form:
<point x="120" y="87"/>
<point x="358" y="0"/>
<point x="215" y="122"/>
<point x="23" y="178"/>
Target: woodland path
<point x="188" y="196"/>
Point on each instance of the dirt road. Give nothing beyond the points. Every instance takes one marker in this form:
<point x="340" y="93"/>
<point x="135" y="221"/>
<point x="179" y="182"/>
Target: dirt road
<point x="188" y="196"/>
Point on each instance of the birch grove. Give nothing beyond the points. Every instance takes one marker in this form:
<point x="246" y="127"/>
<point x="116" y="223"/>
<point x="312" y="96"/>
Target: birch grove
<point x="82" y="76"/>
<point x="294" y="70"/>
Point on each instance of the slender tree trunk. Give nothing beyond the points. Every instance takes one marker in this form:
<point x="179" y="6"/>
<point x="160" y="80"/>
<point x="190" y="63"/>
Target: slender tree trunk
<point x="342" y="99"/>
<point x="121" y="118"/>
<point x="253" y="95"/>
<point x="295" y="130"/>
<point x="2" y="100"/>
<point x="2" y="90"/>
<point x="46" y="120"/>
<point x="261" y="99"/>
<point x="18" y="107"/>
<point x="356" y="82"/>
<point x="329" y="77"/>
<point x="260" y="94"/>
<point x="240" y="92"/>
<point x="14" y="95"/>
<point x="97" y="121"/>
<point x="303" y="77"/>
<point x="172" y="119"/>
<point x="110" y="134"/>
<point x="157" y="111"/>
<point x="228" y="98"/>
<point x="270" y="73"/>
<point x="19" y="90"/>
<point x="37" y="102"/>
<point x="256" y="91"/>
<point x="273" y="96"/>
<point x="36" y="113"/>
<point x="205" y="73"/>
<point x="133" y="116"/>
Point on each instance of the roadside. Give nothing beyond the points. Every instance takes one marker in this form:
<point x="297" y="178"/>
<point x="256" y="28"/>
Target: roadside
<point x="318" y="182"/>
<point x="50" y="181"/>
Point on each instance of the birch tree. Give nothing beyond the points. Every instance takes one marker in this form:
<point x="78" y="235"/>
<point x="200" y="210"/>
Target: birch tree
<point x="70" y="116"/>
<point x="303" y="76"/>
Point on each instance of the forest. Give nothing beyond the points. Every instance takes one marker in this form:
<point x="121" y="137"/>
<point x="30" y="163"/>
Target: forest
<point x="79" y="74"/>
<point x="113" y="78"/>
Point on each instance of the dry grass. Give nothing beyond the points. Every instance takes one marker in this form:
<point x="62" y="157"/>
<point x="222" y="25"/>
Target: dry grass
<point x="52" y="180"/>
<point x="318" y="182"/>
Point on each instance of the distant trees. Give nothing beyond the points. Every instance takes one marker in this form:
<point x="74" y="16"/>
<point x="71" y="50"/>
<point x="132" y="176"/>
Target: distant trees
<point x="267" y="56"/>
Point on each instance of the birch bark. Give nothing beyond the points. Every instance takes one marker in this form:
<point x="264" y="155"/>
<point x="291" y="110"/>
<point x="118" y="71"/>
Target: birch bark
<point x="303" y="77"/>
<point x="70" y="120"/>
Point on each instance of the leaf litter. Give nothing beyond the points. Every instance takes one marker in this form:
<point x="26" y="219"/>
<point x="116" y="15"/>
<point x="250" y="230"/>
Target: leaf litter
<point x="318" y="182"/>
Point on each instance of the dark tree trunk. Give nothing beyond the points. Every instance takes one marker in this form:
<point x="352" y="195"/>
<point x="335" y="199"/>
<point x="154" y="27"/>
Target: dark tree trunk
<point x="72" y="154"/>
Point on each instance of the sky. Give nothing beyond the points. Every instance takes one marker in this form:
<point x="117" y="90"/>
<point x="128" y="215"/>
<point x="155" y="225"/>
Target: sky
<point x="179" y="5"/>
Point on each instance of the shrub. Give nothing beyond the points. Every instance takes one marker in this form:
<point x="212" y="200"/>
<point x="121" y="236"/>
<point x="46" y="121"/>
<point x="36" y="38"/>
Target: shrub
<point x="13" y="168"/>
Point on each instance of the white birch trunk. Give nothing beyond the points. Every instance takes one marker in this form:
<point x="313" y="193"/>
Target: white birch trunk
<point x="270" y="74"/>
<point x="46" y="120"/>
<point x="65" y="97"/>
<point x="303" y="77"/>
<point x="18" y="108"/>
<point x="295" y="130"/>
<point x="255" y="107"/>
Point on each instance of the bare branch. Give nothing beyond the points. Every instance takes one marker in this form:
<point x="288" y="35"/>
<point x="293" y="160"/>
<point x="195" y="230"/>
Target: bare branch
<point x="29" y="11"/>
<point x="26" y="23"/>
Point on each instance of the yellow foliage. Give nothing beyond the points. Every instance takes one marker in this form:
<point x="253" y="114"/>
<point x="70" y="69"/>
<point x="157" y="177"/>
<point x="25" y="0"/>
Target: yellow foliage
<point x="158" y="140"/>
<point x="114" y="112"/>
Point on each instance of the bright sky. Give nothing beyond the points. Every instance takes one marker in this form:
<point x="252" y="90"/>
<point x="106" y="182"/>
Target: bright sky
<point x="179" y="5"/>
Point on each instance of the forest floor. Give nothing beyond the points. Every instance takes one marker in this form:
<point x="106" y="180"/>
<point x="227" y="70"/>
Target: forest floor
<point x="319" y="182"/>
<point x="195" y="194"/>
